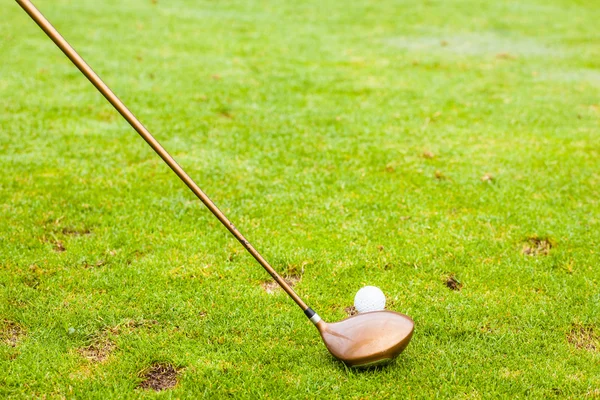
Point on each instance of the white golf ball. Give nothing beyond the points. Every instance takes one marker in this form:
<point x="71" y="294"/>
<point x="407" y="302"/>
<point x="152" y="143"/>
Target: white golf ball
<point x="369" y="298"/>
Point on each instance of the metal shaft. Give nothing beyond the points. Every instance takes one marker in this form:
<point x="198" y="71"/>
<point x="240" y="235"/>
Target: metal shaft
<point x="66" y="48"/>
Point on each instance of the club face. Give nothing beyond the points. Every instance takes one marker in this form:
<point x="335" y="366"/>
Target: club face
<point x="368" y="339"/>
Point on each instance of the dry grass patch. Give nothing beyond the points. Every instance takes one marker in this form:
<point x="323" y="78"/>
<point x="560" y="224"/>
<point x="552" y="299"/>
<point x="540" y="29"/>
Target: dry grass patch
<point x="99" y="351"/>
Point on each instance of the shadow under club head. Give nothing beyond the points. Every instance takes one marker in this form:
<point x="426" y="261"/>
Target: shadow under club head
<point x="367" y="339"/>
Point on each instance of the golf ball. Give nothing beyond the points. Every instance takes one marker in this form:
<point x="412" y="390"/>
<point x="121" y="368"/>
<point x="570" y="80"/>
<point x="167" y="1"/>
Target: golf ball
<point x="369" y="298"/>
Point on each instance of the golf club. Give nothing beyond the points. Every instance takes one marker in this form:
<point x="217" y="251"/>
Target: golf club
<point x="361" y="340"/>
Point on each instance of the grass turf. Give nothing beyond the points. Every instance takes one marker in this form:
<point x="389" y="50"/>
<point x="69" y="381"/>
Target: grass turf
<point x="417" y="146"/>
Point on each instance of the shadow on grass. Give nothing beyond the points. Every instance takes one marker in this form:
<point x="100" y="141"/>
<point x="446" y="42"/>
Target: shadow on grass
<point x="401" y="362"/>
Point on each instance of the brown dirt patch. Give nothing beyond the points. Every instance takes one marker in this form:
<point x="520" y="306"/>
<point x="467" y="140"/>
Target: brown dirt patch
<point x="226" y="113"/>
<point x="159" y="377"/>
<point x="59" y="246"/>
<point x="453" y="284"/>
<point x="536" y="246"/>
<point x="272" y="286"/>
<point x="98" y="263"/>
<point x="75" y="232"/>
<point x="428" y="154"/>
<point x="292" y="275"/>
<point x="487" y="178"/>
<point x="129" y="324"/>
<point x="505" y="56"/>
<point x="11" y="332"/>
<point x="584" y="337"/>
<point x="98" y="351"/>
<point x="351" y="310"/>
<point x="143" y="323"/>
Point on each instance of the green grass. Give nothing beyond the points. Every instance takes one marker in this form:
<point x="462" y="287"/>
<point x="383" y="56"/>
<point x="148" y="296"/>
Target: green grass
<point x="307" y="123"/>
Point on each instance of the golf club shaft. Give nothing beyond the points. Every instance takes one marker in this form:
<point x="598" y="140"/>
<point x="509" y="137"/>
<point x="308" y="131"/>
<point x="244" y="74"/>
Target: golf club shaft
<point x="66" y="48"/>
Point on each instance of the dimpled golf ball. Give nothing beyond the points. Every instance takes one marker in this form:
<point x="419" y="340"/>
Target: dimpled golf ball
<point x="369" y="298"/>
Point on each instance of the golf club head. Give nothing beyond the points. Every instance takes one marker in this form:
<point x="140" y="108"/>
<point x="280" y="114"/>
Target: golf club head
<point x="367" y="339"/>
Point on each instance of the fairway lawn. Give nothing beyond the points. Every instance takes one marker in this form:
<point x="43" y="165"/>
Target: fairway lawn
<point x="447" y="152"/>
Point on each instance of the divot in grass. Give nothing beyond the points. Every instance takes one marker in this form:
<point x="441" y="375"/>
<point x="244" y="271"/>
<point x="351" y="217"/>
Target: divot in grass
<point x="487" y="178"/>
<point x="439" y="175"/>
<point x="584" y="337"/>
<point x="75" y="232"/>
<point x="350" y="310"/>
<point x="272" y="287"/>
<point x="59" y="247"/>
<point x="159" y="377"/>
<point x="292" y="275"/>
<point x="536" y="246"/>
<point x="142" y="323"/>
<point x="505" y="56"/>
<point x="11" y="333"/>
<point x="477" y="44"/>
<point x="453" y="283"/>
